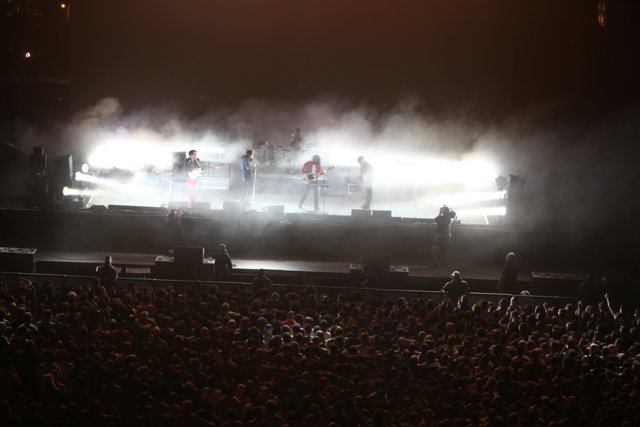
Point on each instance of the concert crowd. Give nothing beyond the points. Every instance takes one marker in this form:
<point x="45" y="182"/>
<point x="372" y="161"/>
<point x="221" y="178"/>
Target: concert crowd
<point x="203" y="355"/>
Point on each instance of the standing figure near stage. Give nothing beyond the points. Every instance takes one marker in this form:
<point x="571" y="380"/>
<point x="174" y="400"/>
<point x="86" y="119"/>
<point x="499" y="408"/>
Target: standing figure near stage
<point x="176" y="229"/>
<point x="455" y="288"/>
<point x="107" y="273"/>
<point x="442" y="239"/>
<point x="247" y="174"/>
<point x="508" y="280"/>
<point x="194" y="170"/>
<point x="366" y="178"/>
<point x="312" y="173"/>
<point x="222" y="262"/>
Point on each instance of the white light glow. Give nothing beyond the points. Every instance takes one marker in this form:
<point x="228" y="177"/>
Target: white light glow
<point x="414" y="170"/>
<point x="466" y="198"/>
<point x="495" y="211"/>
<point x="93" y="179"/>
<point x="135" y="150"/>
<point x="84" y="168"/>
<point x="66" y="191"/>
<point x="129" y="155"/>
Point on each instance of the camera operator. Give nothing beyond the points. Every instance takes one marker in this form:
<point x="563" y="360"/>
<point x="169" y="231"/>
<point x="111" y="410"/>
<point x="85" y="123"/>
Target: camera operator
<point x="442" y="239"/>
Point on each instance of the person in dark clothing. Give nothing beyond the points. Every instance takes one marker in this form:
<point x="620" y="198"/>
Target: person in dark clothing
<point x="107" y="273"/>
<point x="176" y="229"/>
<point x="369" y="277"/>
<point x="590" y="292"/>
<point x="222" y="265"/>
<point x="442" y="239"/>
<point x="261" y="280"/>
<point x="455" y="288"/>
<point x="247" y="168"/>
<point x="509" y="277"/>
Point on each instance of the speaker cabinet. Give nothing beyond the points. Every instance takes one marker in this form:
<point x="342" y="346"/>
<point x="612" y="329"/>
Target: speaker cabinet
<point x="201" y="206"/>
<point x="188" y="262"/>
<point x="276" y="210"/>
<point x="361" y="213"/>
<point x="188" y="255"/>
<point x="22" y="260"/>
<point x="378" y="263"/>
<point x="556" y="284"/>
<point x="232" y="206"/>
<point x="381" y="215"/>
<point x="166" y="267"/>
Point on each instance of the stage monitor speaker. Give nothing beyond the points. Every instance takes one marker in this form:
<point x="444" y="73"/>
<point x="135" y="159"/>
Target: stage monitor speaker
<point x="138" y="209"/>
<point x="178" y="205"/>
<point x="61" y="175"/>
<point x="276" y="210"/>
<point x="360" y="213"/>
<point x="37" y="162"/>
<point x="232" y="206"/>
<point x="556" y="284"/>
<point x="378" y="263"/>
<point x="201" y="206"/>
<point x="188" y="255"/>
<point x="20" y="260"/>
<point x="98" y="208"/>
<point x="63" y="169"/>
<point x="381" y="214"/>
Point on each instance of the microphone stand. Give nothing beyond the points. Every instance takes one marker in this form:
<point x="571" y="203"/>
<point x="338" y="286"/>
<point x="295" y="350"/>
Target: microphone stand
<point x="253" y="193"/>
<point x="324" y="192"/>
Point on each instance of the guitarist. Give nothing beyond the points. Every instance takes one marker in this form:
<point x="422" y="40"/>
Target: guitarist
<point x="312" y="173"/>
<point x="194" y="170"/>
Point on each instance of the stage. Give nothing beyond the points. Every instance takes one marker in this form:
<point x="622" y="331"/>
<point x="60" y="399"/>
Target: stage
<point x="309" y="237"/>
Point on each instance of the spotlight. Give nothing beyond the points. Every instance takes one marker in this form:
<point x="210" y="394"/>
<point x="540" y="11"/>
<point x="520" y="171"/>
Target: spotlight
<point x="67" y="191"/>
<point x="27" y="55"/>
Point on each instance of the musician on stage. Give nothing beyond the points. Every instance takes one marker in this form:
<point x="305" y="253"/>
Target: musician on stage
<point x="312" y="174"/>
<point x="366" y="178"/>
<point x="247" y="174"/>
<point x="193" y="169"/>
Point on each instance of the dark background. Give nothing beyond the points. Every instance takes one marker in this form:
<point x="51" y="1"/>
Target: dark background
<point x="490" y="57"/>
<point x="487" y="58"/>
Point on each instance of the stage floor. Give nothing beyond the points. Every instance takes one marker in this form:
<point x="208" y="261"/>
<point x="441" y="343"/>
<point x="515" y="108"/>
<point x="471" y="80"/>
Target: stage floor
<point x="469" y="270"/>
<point x="286" y="191"/>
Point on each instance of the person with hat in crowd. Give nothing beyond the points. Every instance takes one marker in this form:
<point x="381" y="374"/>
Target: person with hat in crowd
<point x="455" y="288"/>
